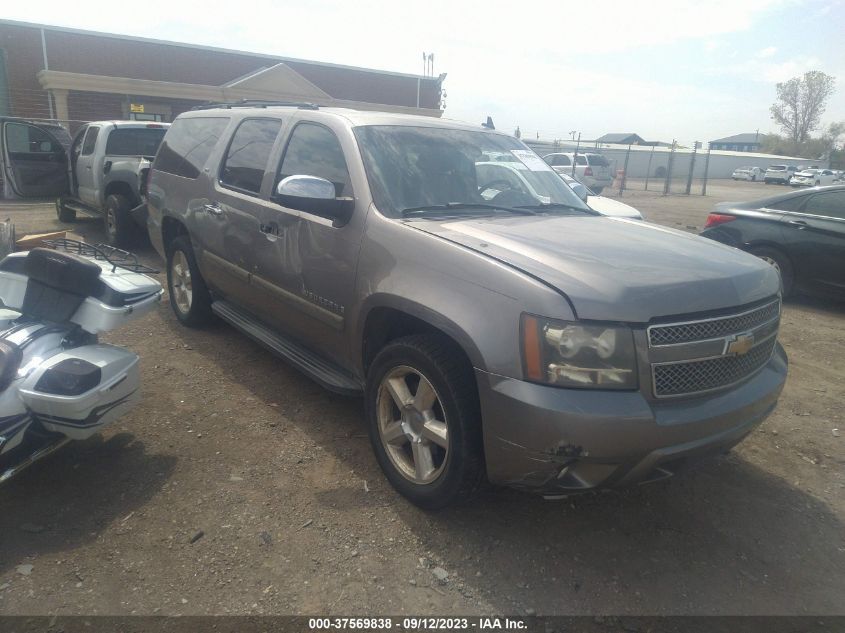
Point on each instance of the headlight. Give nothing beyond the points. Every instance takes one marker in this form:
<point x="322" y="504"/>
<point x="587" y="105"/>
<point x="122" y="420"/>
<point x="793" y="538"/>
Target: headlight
<point x="575" y="355"/>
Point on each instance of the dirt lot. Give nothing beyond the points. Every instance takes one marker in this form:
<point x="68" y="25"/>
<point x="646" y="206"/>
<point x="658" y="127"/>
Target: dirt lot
<point x="295" y="516"/>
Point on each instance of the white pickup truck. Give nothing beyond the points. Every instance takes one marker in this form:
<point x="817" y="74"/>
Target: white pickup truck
<point x="100" y="171"/>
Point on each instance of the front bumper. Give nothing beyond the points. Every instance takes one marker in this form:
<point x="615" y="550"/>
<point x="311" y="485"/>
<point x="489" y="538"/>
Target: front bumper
<point x="559" y="441"/>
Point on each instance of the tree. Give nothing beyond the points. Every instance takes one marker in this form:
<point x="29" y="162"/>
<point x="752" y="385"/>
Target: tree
<point x="800" y="103"/>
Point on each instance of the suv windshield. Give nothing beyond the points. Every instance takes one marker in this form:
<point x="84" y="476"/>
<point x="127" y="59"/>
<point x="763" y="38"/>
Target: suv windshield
<point x="134" y="141"/>
<point x="459" y="170"/>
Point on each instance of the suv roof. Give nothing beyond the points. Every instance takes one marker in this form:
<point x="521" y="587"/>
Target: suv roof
<point x="352" y="117"/>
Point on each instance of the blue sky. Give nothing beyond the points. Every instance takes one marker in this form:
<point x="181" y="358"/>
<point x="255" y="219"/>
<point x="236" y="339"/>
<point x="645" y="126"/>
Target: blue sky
<point x="683" y="69"/>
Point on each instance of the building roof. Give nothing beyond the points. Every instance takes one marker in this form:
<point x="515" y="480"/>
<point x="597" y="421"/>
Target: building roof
<point x="620" y="137"/>
<point x="750" y="137"/>
<point x="148" y="40"/>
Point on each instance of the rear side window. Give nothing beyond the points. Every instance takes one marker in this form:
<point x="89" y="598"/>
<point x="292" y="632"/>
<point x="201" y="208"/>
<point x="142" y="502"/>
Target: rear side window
<point x="314" y="150"/>
<point x="597" y="160"/>
<point x="790" y="204"/>
<point x="249" y="151"/>
<point x="830" y="204"/>
<point x="559" y="161"/>
<point x="188" y="144"/>
<point x="134" y="141"/>
<point x="90" y="140"/>
<point x="580" y="159"/>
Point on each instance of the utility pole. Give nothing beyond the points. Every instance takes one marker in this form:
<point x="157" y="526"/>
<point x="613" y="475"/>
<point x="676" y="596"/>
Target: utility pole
<point x="575" y="156"/>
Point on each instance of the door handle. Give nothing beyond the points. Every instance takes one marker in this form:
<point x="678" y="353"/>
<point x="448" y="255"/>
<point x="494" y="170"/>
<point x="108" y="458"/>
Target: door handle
<point x="212" y="208"/>
<point x="798" y="224"/>
<point x="269" y="229"/>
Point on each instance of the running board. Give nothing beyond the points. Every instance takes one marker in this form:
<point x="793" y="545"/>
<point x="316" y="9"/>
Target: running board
<point x="318" y="369"/>
<point x="30" y="459"/>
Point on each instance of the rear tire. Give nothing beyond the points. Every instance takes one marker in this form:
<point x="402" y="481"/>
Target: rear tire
<point x="189" y="296"/>
<point x="63" y="212"/>
<point x="430" y="447"/>
<point x="119" y="224"/>
<point x="781" y="263"/>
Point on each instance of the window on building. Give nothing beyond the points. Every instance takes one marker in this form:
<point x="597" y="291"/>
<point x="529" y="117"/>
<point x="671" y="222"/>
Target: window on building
<point x="248" y="153"/>
<point x="314" y="150"/>
<point x="5" y="104"/>
<point x="144" y="116"/>
<point x="90" y="140"/>
<point x="188" y="144"/>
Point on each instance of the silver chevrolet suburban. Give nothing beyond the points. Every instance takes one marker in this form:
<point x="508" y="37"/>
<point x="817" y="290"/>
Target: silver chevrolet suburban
<point x="517" y="338"/>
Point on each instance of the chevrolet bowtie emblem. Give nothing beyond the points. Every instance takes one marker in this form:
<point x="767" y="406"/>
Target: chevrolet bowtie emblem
<point x="740" y="344"/>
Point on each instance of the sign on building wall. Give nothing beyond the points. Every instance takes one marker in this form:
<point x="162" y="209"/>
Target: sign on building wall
<point x="136" y="107"/>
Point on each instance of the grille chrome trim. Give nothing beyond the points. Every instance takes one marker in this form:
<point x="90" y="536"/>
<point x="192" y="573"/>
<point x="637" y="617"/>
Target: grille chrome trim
<point x="696" y="365"/>
<point x="660" y="330"/>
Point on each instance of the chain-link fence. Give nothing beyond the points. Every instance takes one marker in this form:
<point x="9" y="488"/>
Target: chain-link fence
<point x="665" y="168"/>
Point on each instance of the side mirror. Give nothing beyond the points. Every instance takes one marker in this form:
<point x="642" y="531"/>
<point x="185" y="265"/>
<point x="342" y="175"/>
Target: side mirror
<point x="314" y="195"/>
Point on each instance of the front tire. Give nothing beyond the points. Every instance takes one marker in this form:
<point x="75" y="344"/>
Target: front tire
<point x="781" y="263"/>
<point x="63" y="212"/>
<point x="118" y="222"/>
<point x="425" y="421"/>
<point x="189" y="296"/>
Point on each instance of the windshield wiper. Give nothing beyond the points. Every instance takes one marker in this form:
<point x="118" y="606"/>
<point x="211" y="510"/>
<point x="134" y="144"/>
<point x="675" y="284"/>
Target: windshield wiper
<point x="449" y="206"/>
<point x="556" y="205"/>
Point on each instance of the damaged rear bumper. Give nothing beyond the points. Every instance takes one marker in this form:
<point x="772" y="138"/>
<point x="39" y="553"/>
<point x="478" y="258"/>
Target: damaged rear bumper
<point x="559" y="441"/>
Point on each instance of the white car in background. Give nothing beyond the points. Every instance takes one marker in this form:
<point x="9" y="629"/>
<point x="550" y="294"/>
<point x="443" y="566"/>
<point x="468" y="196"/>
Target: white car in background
<point x="591" y="169"/>
<point x="496" y="176"/>
<point x="605" y="206"/>
<point x="748" y="173"/>
<point x="779" y="174"/>
<point x="813" y="178"/>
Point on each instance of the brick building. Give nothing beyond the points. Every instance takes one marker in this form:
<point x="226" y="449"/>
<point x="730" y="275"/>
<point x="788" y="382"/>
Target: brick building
<point x="74" y="75"/>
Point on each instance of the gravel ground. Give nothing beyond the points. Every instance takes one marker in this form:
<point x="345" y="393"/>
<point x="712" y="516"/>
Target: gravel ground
<point x="240" y="487"/>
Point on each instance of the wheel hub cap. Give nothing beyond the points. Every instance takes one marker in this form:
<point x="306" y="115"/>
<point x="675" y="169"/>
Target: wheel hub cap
<point x="412" y="425"/>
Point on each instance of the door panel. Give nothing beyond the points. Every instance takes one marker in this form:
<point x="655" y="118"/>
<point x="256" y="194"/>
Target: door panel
<point x="84" y="169"/>
<point x="815" y="239"/>
<point x="231" y="223"/>
<point x="304" y="263"/>
<point x="36" y="163"/>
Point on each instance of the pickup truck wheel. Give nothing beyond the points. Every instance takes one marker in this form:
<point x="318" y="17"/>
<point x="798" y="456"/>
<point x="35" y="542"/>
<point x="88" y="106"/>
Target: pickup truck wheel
<point x="425" y="422"/>
<point x="189" y="296"/>
<point x="781" y="263"/>
<point x="118" y="221"/>
<point x="63" y="212"/>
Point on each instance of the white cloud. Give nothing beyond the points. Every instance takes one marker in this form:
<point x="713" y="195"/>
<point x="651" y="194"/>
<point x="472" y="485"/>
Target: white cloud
<point x="769" y="51"/>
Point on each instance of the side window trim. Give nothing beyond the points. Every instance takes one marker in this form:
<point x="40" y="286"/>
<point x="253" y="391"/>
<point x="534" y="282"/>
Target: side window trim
<point x="277" y="172"/>
<point x="225" y="156"/>
<point x="92" y="129"/>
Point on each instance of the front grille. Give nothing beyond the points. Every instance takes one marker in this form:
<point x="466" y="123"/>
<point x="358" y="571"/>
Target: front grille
<point x="712" y="328"/>
<point x="674" y="379"/>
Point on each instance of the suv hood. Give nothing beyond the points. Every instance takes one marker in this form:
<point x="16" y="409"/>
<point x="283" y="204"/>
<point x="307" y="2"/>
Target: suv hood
<point x="614" y="269"/>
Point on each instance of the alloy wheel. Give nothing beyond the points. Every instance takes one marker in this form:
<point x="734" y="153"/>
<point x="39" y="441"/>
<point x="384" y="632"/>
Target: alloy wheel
<point x="180" y="281"/>
<point x="412" y="425"/>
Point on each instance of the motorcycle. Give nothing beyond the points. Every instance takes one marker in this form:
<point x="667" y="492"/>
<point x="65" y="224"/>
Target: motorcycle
<point x="57" y="382"/>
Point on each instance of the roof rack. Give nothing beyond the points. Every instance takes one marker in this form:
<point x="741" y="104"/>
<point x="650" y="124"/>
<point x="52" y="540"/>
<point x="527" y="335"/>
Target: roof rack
<point x="116" y="257"/>
<point x="257" y="103"/>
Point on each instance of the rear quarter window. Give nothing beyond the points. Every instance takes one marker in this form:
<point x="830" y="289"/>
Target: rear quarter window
<point x="134" y="141"/>
<point x="188" y="144"/>
<point x="597" y="160"/>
